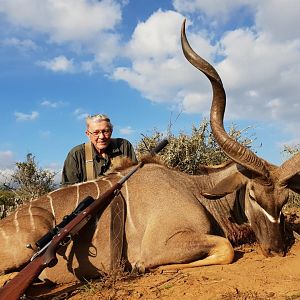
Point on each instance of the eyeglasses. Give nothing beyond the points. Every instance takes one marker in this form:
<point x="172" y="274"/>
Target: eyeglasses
<point x="105" y="132"/>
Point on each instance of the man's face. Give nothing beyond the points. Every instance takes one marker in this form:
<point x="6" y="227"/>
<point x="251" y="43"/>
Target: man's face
<point x="99" y="134"/>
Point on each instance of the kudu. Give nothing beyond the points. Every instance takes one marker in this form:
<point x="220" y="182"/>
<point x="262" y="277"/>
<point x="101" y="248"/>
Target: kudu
<point x="173" y="220"/>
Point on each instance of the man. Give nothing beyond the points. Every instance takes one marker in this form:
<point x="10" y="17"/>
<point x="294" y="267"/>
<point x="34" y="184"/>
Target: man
<point x="92" y="159"/>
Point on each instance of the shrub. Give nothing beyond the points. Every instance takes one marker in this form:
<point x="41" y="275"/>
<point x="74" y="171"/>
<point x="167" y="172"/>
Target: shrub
<point x="27" y="182"/>
<point x="288" y="152"/>
<point x="7" y="201"/>
<point x="187" y="152"/>
<point x="30" y="181"/>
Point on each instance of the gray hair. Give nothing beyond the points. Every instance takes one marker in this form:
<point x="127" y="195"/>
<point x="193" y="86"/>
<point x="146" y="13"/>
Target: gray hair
<point x="98" y="118"/>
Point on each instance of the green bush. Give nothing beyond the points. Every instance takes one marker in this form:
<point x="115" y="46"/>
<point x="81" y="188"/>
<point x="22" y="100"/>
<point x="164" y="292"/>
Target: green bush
<point x="27" y="182"/>
<point x="30" y="181"/>
<point x="187" y="152"/>
<point x="288" y="152"/>
<point x="7" y="201"/>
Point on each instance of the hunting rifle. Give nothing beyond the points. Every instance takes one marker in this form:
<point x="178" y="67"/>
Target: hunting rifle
<point x="49" y="244"/>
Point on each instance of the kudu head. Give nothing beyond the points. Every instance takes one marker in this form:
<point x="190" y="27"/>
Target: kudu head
<point x="264" y="187"/>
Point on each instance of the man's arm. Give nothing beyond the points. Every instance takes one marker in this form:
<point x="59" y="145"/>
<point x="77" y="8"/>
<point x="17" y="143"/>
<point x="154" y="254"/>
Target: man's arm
<point x="71" y="171"/>
<point x="129" y="151"/>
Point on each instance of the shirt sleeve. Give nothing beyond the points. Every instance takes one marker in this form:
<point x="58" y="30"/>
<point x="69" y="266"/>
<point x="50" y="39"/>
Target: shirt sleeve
<point x="129" y="151"/>
<point x="70" y="173"/>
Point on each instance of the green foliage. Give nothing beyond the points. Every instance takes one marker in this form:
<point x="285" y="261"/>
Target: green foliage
<point x="7" y="201"/>
<point x="31" y="181"/>
<point x="188" y="152"/>
<point x="27" y="182"/>
<point x="288" y="152"/>
<point x="294" y="200"/>
<point x="6" y="196"/>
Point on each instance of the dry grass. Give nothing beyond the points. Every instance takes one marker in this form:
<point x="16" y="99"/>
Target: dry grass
<point x="109" y="286"/>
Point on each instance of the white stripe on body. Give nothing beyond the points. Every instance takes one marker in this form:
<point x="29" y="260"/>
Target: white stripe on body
<point x="51" y="205"/>
<point x="31" y="219"/>
<point x="127" y="200"/>
<point x="107" y="180"/>
<point x="77" y="191"/>
<point x="129" y="216"/>
<point x="97" y="187"/>
<point x="16" y="222"/>
<point x="97" y="219"/>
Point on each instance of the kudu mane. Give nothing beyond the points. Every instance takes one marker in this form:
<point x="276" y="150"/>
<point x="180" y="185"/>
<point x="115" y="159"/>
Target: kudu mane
<point x="124" y="163"/>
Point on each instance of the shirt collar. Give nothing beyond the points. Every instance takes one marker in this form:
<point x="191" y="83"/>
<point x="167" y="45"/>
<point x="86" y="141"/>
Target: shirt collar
<point x="111" y="149"/>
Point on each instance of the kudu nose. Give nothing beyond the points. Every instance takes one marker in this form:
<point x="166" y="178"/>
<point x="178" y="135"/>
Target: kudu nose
<point x="268" y="252"/>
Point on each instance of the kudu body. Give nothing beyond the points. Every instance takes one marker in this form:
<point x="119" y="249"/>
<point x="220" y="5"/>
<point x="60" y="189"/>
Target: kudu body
<point x="166" y="222"/>
<point x="172" y="219"/>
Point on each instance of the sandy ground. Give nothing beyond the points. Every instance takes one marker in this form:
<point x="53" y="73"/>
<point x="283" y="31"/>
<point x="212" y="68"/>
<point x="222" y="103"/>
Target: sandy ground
<point x="250" y="276"/>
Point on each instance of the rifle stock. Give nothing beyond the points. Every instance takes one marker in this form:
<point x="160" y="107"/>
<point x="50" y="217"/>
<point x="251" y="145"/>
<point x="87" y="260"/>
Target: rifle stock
<point x="17" y="286"/>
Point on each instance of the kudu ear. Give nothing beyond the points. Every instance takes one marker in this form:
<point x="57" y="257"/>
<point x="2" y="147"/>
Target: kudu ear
<point x="226" y="186"/>
<point x="289" y="173"/>
<point x="294" y="183"/>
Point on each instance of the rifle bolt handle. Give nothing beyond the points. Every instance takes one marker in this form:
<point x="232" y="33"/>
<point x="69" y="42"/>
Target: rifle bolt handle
<point x="29" y="246"/>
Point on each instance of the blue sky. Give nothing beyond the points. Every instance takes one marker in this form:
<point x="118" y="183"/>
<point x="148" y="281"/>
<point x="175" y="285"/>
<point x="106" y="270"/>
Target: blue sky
<point x="63" y="59"/>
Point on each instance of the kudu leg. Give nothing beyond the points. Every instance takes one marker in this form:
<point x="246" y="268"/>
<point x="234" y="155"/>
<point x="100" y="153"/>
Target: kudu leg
<point x="188" y="249"/>
<point x="220" y="253"/>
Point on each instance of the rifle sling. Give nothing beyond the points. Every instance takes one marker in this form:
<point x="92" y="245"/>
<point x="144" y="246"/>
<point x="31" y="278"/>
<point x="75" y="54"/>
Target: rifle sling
<point x="89" y="164"/>
<point x="117" y="227"/>
<point x="117" y="213"/>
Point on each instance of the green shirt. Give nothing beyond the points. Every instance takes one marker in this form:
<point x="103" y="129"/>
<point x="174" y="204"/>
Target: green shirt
<point x="74" y="169"/>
